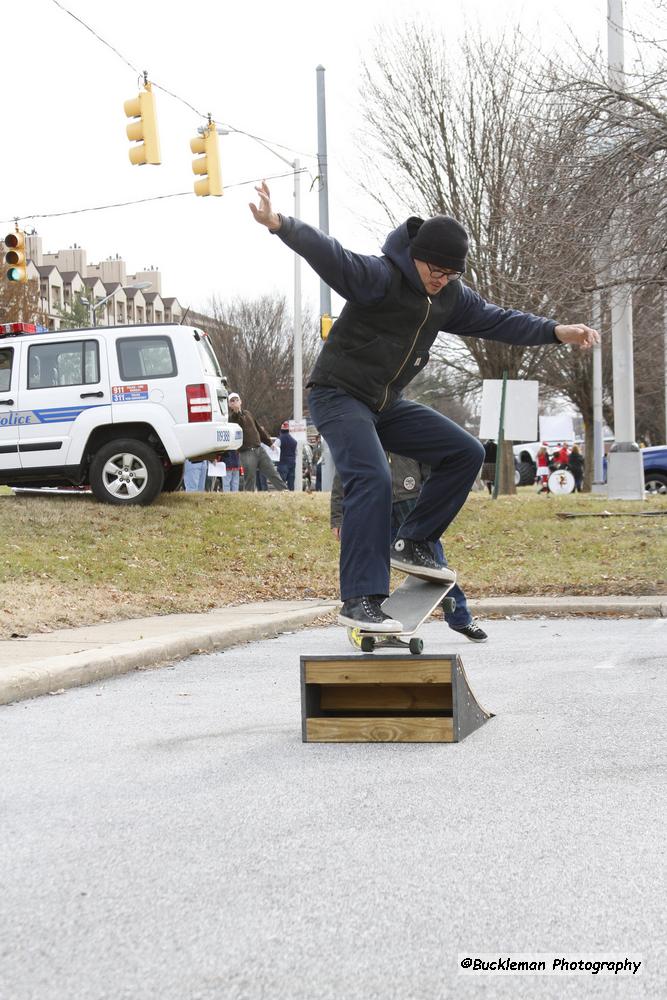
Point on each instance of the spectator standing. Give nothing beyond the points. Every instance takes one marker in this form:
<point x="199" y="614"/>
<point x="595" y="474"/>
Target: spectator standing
<point x="230" y="482"/>
<point x="287" y="463"/>
<point x="252" y="456"/>
<point x="562" y="455"/>
<point x="407" y="478"/>
<point x="217" y="470"/>
<point x="317" y="461"/>
<point x="542" y="470"/>
<point x="488" y="472"/>
<point x="527" y="468"/>
<point x="307" y="468"/>
<point x="273" y="451"/>
<point x="576" y="466"/>
<point x="194" y="476"/>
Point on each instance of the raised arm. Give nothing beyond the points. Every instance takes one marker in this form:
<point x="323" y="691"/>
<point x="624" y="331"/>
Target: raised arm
<point x="478" y="318"/>
<point x="361" y="278"/>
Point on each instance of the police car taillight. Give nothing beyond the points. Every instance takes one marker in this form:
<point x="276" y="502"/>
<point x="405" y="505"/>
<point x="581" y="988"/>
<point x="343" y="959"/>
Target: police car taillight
<point x="200" y="408"/>
<point x="7" y="329"/>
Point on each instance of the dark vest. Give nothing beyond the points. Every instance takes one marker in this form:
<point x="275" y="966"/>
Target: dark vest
<point x="373" y="352"/>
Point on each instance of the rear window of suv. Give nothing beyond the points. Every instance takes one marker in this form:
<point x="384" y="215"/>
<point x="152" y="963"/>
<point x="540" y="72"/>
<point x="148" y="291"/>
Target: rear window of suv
<point x="145" y="357"/>
<point x="208" y="358"/>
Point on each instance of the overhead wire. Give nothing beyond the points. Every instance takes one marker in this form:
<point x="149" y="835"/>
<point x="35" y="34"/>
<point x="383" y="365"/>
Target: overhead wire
<point x="267" y="143"/>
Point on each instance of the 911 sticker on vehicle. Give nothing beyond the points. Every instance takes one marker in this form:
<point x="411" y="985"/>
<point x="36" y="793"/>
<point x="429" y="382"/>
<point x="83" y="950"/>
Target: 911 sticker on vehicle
<point x="129" y="393"/>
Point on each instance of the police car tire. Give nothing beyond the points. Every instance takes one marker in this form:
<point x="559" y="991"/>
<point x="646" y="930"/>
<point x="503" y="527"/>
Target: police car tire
<point x="144" y="454"/>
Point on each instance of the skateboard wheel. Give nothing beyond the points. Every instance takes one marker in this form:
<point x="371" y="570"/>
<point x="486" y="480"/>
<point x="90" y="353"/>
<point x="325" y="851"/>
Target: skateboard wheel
<point x="354" y="635"/>
<point x="449" y="605"/>
<point x="367" y="644"/>
<point x="416" y="646"/>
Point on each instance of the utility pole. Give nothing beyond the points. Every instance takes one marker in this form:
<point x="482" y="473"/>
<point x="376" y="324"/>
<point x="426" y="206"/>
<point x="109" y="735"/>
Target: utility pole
<point x="598" y="421"/>
<point x="625" y="476"/>
<point x="325" y="291"/>
<point x="298" y="346"/>
<point x="664" y="333"/>
<point x="328" y="470"/>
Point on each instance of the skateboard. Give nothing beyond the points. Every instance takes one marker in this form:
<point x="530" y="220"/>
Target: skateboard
<point x="410" y="603"/>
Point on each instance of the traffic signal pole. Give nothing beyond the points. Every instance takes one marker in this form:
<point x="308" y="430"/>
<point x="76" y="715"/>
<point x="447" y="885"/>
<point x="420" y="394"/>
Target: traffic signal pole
<point x="298" y="345"/>
<point x="328" y="469"/>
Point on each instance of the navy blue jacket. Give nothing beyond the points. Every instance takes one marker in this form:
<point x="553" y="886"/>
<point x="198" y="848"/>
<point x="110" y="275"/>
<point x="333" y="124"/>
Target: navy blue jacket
<point x="287" y="448"/>
<point x="382" y="338"/>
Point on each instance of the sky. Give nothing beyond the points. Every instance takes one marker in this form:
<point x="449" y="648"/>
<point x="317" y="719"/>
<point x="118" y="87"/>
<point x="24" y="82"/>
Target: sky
<point x="252" y="66"/>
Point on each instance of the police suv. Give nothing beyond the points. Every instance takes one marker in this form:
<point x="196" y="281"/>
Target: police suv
<point x="115" y="408"/>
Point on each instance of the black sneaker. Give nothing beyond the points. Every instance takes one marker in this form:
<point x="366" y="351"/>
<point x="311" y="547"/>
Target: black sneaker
<point x="366" y="614"/>
<point x="472" y="631"/>
<point x="417" y="558"/>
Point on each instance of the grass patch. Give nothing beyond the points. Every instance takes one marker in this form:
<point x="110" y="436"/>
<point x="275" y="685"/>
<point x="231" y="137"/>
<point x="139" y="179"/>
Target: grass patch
<point x="68" y="561"/>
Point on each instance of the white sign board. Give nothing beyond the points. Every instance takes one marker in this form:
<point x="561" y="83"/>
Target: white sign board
<point x="520" y="422"/>
<point x="559" y="428"/>
<point x="298" y="430"/>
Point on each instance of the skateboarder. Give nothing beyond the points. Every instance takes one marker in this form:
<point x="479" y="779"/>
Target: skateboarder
<point x="396" y="305"/>
<point x="407" y="479"/>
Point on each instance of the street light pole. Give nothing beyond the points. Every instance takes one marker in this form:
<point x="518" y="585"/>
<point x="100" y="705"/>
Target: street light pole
<point x="298" y="345"/>
<point x="96" y="305"/>
<point x="625" y="476"/>
<point x="328" y="469"/>
<point x="297" y="351"/>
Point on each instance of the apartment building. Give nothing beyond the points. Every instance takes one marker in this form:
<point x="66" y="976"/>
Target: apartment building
<point x="118" y="299"/>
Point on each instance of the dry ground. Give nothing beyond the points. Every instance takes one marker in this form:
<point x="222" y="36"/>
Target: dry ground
<point x="68" y="561"/>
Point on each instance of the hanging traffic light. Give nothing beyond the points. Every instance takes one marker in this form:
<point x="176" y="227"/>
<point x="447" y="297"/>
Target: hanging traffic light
<point x="143" y="128"/>
<point x="16" y="257"/>
<point x="208" y="165"/>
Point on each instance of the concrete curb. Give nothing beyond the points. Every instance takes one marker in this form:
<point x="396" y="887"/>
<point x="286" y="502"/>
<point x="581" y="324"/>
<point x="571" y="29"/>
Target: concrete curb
<point x="55" y="673"/>
<point x="94" y="653"/>
<point x="565" y="607"/>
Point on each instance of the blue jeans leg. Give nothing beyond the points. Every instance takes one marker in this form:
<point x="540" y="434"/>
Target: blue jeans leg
<point x="461" y="616"/>
<point x="194" y="476"/>
<point x="348" y="426"/>
<point x="455" y="458"/>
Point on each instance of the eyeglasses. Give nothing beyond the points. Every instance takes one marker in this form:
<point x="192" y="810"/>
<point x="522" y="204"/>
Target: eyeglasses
<point x="437" y="273"/>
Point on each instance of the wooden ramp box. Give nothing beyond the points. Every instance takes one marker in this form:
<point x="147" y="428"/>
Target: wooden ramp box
<point x="384" y="698"/>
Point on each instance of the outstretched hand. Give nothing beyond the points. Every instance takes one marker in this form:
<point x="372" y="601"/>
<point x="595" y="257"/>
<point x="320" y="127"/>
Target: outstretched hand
<point x="582" y="336"/>
<point x="263" y="213"/>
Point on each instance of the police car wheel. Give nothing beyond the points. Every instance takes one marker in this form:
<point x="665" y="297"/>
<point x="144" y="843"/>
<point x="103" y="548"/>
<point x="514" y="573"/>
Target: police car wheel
<point x="126" y="472"/>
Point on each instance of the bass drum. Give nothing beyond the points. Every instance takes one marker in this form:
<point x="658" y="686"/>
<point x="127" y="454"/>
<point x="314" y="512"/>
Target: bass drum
<point x="561" y="481"/>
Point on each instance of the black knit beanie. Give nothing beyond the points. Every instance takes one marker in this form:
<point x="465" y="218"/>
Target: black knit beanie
<point x="441" y="241"/>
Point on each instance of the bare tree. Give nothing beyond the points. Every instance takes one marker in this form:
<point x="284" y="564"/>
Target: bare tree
<point x="20" y="302"/>
<point x="476" y="138"/>
<point x="253" y="339"/>
<point x="536" y="160"/>
<point x="623" y="180"/>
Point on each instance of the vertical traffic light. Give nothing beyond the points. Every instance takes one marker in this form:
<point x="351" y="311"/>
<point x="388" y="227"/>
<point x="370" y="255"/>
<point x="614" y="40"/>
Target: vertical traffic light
<point x="326" y="322"/>
<point x="143" y="128"/>
<point x="16" y="257"/>
<point x="208" y="165"/>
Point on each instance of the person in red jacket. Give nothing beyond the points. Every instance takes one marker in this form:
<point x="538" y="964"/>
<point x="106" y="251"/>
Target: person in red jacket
<point x="562" y="456"/>
<point x="542" y="469"/>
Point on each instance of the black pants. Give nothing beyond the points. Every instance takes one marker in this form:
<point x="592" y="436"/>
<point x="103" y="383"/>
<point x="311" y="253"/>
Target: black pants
<point x="358" y="438"/>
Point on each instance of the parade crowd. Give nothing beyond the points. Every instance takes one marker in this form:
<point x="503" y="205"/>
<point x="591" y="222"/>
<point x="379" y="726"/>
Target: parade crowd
<point x="262" y="460"/>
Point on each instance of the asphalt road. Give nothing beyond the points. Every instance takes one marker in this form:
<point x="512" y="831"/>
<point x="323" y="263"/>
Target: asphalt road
<point x="167" y="835"/>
